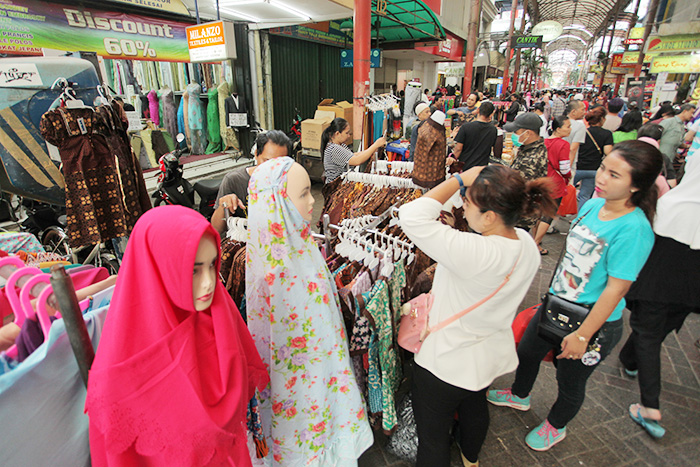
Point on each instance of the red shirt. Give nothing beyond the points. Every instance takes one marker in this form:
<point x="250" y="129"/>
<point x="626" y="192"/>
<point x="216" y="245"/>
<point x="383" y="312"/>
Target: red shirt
<point x="558" y="161"/>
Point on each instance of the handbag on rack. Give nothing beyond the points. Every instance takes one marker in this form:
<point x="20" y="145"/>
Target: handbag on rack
<point x="414" y="327"/>
<point x="561" y="317"/>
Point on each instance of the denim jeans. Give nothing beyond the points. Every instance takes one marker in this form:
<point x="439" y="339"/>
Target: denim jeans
<point x="587" y="179"/>
<point x="572" y="375"/>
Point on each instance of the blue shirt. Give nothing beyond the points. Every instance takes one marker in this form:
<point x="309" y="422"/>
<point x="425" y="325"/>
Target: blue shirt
<point x="596" y="250"/>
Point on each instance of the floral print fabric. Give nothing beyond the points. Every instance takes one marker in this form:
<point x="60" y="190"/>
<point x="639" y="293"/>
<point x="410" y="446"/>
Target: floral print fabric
<point x="312" y="410"/>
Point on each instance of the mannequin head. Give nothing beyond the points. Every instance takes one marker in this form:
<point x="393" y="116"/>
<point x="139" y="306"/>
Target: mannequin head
<point x="299" y="191"/>
<point x="204" y="273"/>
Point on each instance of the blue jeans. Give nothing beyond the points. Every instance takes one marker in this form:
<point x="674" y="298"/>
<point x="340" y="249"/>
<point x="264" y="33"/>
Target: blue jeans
<point x="587" y="179"/>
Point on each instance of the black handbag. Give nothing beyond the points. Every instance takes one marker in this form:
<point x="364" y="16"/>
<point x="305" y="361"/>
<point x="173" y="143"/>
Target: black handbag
<point x="560" y="317"/>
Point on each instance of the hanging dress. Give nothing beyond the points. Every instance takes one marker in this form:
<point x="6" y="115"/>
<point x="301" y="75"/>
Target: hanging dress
<point x="169" y="112"/>
<point x="230" y="140"/>
<point x="153" y="107"/>
<point x="313" y="410"/>
<point x="170" y="385"/>
<point x="213" y="127"/>
<point x="195" y="120"/>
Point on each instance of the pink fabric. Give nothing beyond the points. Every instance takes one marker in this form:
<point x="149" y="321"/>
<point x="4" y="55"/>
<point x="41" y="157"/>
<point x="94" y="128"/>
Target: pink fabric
<point x="170" y="385"/>
<point x="153" y="107"/>
<point x="662" y="185"/>
<point x="649" y="140"/>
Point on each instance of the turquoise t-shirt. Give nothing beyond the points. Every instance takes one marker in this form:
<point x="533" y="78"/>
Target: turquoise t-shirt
<point x="596" y="250"/>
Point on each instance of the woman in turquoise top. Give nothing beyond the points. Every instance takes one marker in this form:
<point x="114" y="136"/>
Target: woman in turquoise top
<point x="631" y="122"/>
<point x="605" y="250"/>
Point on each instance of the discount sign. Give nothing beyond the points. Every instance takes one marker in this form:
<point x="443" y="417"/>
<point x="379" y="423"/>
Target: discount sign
<point x="29" y="25"/>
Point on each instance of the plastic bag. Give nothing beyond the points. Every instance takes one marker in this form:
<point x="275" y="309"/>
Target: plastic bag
<point x="568" y="202"/>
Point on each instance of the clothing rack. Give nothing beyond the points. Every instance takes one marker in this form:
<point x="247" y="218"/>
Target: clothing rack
<point x="391" y="168"/>
<point x="380" y="180"/>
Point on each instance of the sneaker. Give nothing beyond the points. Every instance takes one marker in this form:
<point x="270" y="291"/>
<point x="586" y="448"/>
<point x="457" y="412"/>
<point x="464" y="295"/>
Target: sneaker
<point x="505" y="398"/>
<point x="544" y="437"/>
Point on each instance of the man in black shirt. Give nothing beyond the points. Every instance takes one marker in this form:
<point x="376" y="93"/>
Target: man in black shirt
<point x="475" y="139"/>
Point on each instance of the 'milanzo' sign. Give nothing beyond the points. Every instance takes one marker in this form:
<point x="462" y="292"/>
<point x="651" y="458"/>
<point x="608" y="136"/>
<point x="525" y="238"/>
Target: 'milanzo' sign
<point x="526" y="42"/>
<point x="211" y="42"/>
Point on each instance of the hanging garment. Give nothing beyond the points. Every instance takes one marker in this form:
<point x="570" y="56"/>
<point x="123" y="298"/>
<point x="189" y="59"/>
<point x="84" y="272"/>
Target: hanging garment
<point x="378" y="124"/>
<point x="228" y="134"/>
<point x="181" y="127"/>
<point x="169" y="112"/>
<point x="51" y="412"/>
<point x="153" y="107"/>
<point x="236" y="115"/>
<point x="13" y="242"/>
<point x="160" y="107"/>
<point x="431" y="155"/>
<point x="170" y="385"/>
<point x="145" y="106"/>
<point x="195" y="120"/>
<point x="213" y="127"/>
<point x="94" y="198"/>
<point x="313" y="405"/>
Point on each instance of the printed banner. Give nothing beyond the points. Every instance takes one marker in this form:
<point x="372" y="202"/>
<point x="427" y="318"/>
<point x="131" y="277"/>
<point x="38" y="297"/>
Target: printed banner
<point x="29" y="25"/>
<point x="526" y="42"/>
<point x="174" y="6"/>
<point x="328" y="33"/>
<point x="684" y="43"/>
<point x="21" y="75"/>
<point x="676" y="64"/>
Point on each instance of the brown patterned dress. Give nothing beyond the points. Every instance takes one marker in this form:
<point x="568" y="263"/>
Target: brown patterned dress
<point x="430" y="159"/>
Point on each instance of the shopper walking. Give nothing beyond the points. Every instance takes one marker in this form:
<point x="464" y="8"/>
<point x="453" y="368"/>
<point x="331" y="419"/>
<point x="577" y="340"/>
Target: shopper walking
<point x="631" y="122"/>
<point x="558" y="104"/>
<point x="513" y="109"/>
<point x="456" y="364"/>
<point x="176" y="366"/>
<point x="337" y="156"/>
<point x="475" y="140"/>
<point x="575" y="110"/>
<point x="313" y="410"/>
<point x="531" y="159"/>
<point x="612" y="121"/>
<point x="605" y="250"/>
<point x="664" y="294"/>
<point x="674" y="132"/>
<point x="598" y="144"/>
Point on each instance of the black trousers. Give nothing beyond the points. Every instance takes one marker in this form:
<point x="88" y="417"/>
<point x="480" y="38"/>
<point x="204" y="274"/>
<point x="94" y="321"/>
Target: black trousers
<point x="651" y="322"/>
<point x="572" y="375"/>
<point x="435" y="403"/>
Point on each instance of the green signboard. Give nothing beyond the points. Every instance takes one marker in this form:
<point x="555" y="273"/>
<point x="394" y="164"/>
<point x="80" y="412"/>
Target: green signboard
<point x="526" y="42"/>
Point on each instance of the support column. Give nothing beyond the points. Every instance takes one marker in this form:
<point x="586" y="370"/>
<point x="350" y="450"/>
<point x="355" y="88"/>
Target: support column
<point x="607" y="58"/>
<point x="506" y="69"/>
<point x="519" y="51"/>
<point x="633" y="23"/>
<point x="651" y="19"/>
<point x="472" y="39"/>
<point x="362" y="36"/>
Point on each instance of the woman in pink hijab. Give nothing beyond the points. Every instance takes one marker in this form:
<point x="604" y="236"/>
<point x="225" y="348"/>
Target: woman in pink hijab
<point x="176" y="366"/>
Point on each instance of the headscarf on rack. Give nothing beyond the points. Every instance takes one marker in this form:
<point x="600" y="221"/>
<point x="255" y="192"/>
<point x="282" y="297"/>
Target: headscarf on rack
<point x="313" y="406"/>
<point x="170" y="385"/>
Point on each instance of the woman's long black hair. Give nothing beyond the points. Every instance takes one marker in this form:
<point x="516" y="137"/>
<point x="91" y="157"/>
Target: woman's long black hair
<point x="338" y="124"/>
<point x="646" y="162"/>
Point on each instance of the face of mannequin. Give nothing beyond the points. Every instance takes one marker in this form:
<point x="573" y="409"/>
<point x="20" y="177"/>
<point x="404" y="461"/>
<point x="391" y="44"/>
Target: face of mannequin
<point x="204" y="273"/>
<point x="299" y="191"/>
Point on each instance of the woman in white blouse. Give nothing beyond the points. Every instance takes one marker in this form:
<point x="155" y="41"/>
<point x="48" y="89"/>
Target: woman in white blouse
<point x="456" y="364"/>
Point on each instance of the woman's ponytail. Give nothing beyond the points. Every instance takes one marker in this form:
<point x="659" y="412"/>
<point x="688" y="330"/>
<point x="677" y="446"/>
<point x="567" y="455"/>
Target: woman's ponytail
<point x="538" y="201"/>
<point x="338" y="124"/>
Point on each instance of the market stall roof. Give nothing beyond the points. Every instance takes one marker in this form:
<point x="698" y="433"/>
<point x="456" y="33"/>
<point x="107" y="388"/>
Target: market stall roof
<point x="406" y="20"/>
<point x="591" y="16"/>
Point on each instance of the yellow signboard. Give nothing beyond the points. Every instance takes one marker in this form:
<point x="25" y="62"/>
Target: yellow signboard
<point x="636" y="33"/>
<point x="676" y="64"/>
<point x="173" y="6"/>
<point x="680" y="43"/>
<point x="630" y="58"/>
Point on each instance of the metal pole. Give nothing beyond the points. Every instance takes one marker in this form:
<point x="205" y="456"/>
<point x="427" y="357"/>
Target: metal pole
<point x="196" y="10"/>
<point x="472" y="34"/>
<point x="506" y="70"/>
<point x="651" y="19"/>
<point x="362" y="35"/>
<point x="613" y="19"/>
<point x="218" y="15"/>
<point x="517" y="56"/>
<point x="72" y="317"/>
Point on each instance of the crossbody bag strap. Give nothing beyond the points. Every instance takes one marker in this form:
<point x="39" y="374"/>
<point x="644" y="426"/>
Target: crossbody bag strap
<point x="595" y="142"/>
<point x="461" y="314"/>
<point x="563" y="250"/>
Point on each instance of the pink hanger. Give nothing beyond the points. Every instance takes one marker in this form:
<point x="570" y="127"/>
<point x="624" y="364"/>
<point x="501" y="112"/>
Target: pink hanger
<point x="26" y="293"/>
<point x="11" y="291"/>
<point x="10" y="264"/>
<point x="42" y="311"/>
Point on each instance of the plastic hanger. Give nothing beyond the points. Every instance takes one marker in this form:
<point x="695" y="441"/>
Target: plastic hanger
<point x="17" y="280"/>
<point x="42" y="311"/>
<point x="32" y="288"/>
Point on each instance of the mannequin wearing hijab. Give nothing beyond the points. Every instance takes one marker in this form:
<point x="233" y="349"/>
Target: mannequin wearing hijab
<point x="176" y="366"/>
<point x="313" y="409"/>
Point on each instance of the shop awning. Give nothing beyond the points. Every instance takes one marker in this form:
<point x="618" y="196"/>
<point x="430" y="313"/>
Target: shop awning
<point x="405" y="21"/>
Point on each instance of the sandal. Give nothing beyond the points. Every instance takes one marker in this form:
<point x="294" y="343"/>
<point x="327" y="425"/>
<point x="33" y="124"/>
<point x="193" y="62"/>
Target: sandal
<point x="543" y="251"/>
<point x="553" y="230"/>
<point x="651" y="426"/>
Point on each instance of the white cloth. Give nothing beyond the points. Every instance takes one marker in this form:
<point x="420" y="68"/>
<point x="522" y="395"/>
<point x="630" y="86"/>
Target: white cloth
<point x="473" y="351"/>
<point x="678" y="211"/>
<point x="543" y="129"/>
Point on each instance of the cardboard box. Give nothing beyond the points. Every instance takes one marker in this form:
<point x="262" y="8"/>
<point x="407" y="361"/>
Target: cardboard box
<point x="342" y="109"/>
<point x="312" y="129"/>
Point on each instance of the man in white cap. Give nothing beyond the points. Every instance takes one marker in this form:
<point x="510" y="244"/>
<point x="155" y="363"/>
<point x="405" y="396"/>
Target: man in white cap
<point x="422" y="113"/>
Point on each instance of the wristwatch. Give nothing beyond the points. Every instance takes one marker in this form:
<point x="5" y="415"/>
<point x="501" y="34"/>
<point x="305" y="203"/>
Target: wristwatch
<point x="462" y="188"/>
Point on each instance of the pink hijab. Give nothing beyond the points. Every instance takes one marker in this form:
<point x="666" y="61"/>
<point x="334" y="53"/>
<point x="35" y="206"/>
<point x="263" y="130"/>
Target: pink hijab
<point x="170" y="385"/>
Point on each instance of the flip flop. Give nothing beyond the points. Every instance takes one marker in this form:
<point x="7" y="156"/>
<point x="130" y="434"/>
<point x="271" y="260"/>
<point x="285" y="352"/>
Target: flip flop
<point x="543" y="251"/>
<point x="651" y="426"/>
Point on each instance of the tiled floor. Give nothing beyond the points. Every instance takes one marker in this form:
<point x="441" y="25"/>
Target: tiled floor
<point x="602" y="434"/>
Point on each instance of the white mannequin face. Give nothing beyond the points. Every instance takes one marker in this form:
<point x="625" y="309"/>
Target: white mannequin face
<point x="299" y="191"/>
<point x="204" y="273"/>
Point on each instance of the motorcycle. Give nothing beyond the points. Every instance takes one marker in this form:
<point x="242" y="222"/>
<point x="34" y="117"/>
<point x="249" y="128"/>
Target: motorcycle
<point x="174" y="189"/>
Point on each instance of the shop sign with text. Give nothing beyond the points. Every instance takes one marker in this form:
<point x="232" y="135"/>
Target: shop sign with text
<point x="173" y="6"/>
<point x="616" y="66"/>
<point x="629" y="59"/>
<point x="685" y="43"/>
<point x="526" y="42"/>
<point x="327" y="32"/>
<point x="211" y="42"/>
<point x="27" y="26"/>
<point x="347" y="58"/>
<point x="676" y="64"/>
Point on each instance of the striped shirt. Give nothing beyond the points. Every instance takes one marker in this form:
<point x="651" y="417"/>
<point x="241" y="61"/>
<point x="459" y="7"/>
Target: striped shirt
<point x="335" y="161"/>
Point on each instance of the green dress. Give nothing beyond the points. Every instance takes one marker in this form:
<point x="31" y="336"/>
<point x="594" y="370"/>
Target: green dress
<point x="213" y="127"/>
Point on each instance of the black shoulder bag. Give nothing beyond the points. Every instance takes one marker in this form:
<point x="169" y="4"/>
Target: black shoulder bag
<point x="561" y="317"/>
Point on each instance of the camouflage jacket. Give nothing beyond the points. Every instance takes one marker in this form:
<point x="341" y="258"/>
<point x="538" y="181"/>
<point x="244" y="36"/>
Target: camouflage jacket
<point x="531" y="160"/>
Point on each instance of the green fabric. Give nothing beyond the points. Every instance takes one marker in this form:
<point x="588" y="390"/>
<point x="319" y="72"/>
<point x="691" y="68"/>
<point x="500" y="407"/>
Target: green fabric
<point x="160" y="108"/>
<point x="620" y="136"/>
<point x="213" y="127"/>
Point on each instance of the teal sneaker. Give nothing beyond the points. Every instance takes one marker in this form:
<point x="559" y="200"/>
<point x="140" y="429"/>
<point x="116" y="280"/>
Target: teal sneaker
<point x="544" y="436"/>
<point x="505" y="398"/>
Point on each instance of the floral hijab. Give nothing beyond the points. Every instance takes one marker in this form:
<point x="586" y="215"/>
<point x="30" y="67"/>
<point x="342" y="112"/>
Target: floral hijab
<point x="312" y="410"/>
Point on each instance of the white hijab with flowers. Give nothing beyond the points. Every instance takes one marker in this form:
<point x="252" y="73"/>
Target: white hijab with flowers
<point x="313" y="410"/>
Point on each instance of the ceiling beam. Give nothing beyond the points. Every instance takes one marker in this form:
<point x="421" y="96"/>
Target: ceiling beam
<point x="617" y="6"/>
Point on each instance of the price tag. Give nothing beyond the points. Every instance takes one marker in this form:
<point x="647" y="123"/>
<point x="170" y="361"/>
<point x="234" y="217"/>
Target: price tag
<point x="134" y="121"/>
<point x="237" y="119"/>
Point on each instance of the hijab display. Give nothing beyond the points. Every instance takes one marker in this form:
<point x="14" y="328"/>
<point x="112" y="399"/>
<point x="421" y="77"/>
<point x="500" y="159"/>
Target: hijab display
<point x="170" y="385"/>
<point x="313" y="409"/>
<point x="195" y="119"/>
